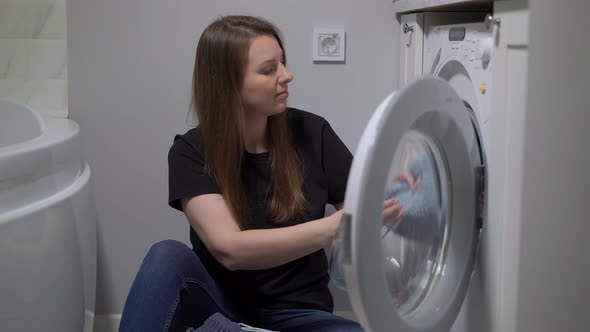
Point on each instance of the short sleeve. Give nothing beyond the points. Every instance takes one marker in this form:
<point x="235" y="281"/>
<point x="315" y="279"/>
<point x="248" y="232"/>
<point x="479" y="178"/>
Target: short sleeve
<point x="336" y="161"/>
<point x="186" y="173"/>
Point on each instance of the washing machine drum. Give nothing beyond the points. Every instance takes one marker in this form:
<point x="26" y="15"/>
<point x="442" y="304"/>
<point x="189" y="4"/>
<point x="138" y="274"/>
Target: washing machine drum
<point x="410" y="273"/>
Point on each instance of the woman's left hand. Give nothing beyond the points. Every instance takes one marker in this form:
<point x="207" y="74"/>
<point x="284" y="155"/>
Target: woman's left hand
<point x="392" y="212"/>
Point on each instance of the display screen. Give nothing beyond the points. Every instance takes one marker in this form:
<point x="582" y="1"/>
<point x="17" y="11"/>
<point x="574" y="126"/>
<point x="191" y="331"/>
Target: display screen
<point x="457" y="34"/>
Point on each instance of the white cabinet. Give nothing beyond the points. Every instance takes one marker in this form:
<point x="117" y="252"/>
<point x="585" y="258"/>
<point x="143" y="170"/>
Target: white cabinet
<point x="542" y="96"/>
<point x="411" y="47"/>
<point x="509" y="91"/>
<point x="406" y="6"/>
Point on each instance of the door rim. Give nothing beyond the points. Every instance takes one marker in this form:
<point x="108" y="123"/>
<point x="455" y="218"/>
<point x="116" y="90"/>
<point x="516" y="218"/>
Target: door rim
<point x="396" y="114"/>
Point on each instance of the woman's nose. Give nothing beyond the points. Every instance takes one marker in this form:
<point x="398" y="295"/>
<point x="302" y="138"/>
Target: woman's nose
<point x="286" y="75"/>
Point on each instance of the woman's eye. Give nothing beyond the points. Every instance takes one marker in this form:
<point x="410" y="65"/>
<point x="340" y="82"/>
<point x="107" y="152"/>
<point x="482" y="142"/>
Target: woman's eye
<point x="268" y="71"/>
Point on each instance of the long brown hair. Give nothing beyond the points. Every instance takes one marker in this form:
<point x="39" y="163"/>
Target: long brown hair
<point x="221" y="59"/>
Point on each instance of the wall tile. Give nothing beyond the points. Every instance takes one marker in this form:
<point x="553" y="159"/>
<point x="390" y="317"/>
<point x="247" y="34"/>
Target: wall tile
<point x="33" y="54"/>
<point x="46" y="59"/>
<point x="55" y="26"/>
<point x="14" y="58"/>
<point x="13" y="90"/>
<point x="25" y="20"/>
<point x="47" y="96"/>
<point x="8" y="18"/>
<point x="7" y="50"/>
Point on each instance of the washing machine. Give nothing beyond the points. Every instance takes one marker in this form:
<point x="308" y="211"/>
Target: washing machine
<point x="424" y="272"/>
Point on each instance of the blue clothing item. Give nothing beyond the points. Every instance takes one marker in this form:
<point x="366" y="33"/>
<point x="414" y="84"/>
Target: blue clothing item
<point x="217" y="323"/>
<point x="422" y="220"/>
<point x="293" y="320"/>
<point x="174" y="292"/>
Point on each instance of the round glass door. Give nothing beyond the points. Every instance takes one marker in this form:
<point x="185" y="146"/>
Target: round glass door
<point x="409" y="235"/>
<point x="413" y="243"/>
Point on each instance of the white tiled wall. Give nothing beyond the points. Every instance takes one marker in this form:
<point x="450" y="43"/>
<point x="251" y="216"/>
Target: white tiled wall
<point x="33" y="66"/>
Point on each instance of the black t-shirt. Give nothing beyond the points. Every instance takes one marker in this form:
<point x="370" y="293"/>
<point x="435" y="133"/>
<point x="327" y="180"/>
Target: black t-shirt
<point x="302" y="283"/>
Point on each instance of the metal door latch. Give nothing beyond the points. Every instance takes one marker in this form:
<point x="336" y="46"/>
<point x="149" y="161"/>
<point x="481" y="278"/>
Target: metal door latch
<point x="491" y="20"/>
<point x="408" y="28"/>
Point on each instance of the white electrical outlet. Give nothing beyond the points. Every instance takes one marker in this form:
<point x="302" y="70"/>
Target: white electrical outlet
<point x="329" y="44"/>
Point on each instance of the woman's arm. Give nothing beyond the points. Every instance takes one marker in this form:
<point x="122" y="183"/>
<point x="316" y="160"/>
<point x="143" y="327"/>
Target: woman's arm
<point x="235" y="249"/>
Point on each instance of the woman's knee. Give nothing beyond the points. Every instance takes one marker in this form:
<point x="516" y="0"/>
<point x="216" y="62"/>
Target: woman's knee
<point x="167" y="248"/>
<point x="171" y="256"/>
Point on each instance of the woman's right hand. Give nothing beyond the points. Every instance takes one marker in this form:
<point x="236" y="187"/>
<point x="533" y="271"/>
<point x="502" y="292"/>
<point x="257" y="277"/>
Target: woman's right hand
<point x="407" y="177"/>
<point x="336" y="219"/>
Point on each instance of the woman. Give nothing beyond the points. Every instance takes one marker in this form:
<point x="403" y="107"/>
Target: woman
<point x="253" y="180"/>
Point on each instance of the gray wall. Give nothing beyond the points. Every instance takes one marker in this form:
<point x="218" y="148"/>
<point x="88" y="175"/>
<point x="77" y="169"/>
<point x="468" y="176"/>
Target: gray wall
<point x="130" y="66"/>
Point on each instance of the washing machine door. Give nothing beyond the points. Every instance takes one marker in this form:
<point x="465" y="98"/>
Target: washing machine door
<point x="412" y="273"/>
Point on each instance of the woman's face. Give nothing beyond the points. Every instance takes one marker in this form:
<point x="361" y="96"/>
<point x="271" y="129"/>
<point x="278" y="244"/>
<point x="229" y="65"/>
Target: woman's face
<point x="264" y="89"/>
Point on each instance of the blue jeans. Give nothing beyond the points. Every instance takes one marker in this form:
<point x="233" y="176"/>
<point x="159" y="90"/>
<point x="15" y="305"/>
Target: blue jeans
<point x="173" y="291"/>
